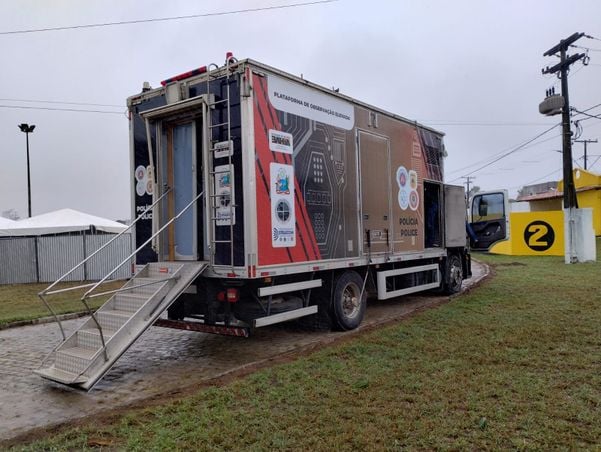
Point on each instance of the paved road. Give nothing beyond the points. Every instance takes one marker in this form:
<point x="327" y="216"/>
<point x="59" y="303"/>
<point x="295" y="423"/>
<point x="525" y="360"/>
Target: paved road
<point x="162" y="360"/>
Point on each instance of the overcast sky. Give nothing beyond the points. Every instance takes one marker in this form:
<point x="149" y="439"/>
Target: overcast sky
<point x="471" y="69"/>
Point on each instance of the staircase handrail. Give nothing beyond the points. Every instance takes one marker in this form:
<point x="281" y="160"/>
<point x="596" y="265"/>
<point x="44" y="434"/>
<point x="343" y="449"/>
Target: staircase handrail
<point x="88" y="293"/>
<point x="125" y="289"/>
<point x="46" y="291"/>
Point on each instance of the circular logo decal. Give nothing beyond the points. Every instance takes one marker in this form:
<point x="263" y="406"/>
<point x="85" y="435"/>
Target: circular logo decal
<point x="413" y="200"/>
<point x="403" y="199"/>
<point x="140" y="173"/>
<point x="539" y="235"/>
<point x="401" y="176"/>
<point x="224" y="198"/>
<point x="141" y="188"/>
<point x="283" y="210"/>
<point x="413" y="180"/>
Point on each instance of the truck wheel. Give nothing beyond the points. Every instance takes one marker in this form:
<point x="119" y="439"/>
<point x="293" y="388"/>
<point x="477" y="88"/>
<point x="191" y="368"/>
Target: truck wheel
<point x="348" y="304"/>
<point x="453" y="275"/>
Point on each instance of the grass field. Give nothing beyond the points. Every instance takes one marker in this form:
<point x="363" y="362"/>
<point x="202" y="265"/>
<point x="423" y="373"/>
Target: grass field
<point x="21" y="302"/>
<point x="514" y="364"/>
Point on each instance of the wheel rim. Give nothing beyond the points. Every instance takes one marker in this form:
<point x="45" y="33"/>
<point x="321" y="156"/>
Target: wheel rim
<point x="351" y="301"/>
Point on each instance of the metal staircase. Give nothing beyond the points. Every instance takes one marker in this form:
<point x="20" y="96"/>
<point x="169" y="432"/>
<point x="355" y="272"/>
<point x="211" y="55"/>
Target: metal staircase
<point x="91" y="351"/>
<point x="83" y="358"/>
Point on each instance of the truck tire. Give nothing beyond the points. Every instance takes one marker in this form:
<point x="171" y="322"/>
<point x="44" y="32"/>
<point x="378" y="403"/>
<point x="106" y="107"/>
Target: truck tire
<point x="452" y="275"/>
<point x="348" y="304"/>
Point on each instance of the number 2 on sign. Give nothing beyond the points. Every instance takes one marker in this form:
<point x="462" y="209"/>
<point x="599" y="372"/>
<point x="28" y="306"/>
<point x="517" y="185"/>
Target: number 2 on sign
<point x="538" y="231"/>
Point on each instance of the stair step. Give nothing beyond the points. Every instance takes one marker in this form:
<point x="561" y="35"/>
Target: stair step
<point x="122" y="319"/>
<point x="90" y="337"/>
<point x="130" y="302"/>
<point x="62" y="376"/>
<point x="147" y="288"/>
<point x="112" y="319"/>
<point x="74" y="359"/>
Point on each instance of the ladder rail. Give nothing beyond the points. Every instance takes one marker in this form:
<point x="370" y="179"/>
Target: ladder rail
<point x="230" y="164"/>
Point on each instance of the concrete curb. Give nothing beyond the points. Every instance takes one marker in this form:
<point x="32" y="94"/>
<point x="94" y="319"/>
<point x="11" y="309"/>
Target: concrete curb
<point x="41" y="320"/>
<point x="475" y="281"/>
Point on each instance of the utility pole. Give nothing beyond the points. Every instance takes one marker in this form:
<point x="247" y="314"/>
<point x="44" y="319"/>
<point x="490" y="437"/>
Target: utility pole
<point x="569" y="190"/>
<point x="585" y="143"/>
<point x="552" y="105"/>
<point x="468" y="179"/>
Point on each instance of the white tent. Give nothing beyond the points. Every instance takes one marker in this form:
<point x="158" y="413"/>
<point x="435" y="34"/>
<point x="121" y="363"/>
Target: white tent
<point x="6" y="222"/>
<point x="57" y="222"/>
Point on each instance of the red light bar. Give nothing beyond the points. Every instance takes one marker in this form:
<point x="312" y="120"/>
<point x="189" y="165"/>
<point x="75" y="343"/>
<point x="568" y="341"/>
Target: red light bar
<point x="192" y="73"/>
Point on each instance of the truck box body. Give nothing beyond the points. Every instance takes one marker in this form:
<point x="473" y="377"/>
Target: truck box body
<point x="318" y="179"/>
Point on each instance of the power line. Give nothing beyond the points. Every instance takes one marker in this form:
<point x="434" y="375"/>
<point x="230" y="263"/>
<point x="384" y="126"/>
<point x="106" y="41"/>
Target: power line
<point x="442" y="122"/>
<point x="542" y="177"/>
<point x="499" y="153"/>
<point x="591" y="108"/>
<point x="165" y="19"/>
<point x="598" y="157"/>
<point x="585" y="48"/>
<point x="22" y="107"/>
<point x="592" y="37"/>
<point x="586" y="114"/>
<point x="512" y="151"/>
<point x="59" y="102"/>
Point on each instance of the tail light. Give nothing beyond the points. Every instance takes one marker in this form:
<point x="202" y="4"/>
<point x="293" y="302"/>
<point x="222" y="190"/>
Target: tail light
<point x="232" y="295"/>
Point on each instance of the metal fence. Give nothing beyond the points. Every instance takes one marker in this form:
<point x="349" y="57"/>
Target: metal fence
<point x="45" y="259"/>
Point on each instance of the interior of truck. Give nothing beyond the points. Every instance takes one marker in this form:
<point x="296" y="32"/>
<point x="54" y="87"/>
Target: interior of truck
<point x="432" y="214"/>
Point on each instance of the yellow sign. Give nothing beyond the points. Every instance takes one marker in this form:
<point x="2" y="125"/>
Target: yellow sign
<point x="533" y="234"/>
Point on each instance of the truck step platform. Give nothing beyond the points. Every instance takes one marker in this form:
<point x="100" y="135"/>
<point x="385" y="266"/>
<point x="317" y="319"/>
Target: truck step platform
<point x="89" y="353"/>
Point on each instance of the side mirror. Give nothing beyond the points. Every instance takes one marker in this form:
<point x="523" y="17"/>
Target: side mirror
<point x="482" y="209"/>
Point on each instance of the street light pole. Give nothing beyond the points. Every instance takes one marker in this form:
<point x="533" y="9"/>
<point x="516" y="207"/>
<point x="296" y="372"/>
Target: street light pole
<point x="27" y="129"/>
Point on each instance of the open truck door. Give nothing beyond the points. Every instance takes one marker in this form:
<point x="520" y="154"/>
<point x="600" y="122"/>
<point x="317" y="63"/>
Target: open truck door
<point x="488" y="218"/>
